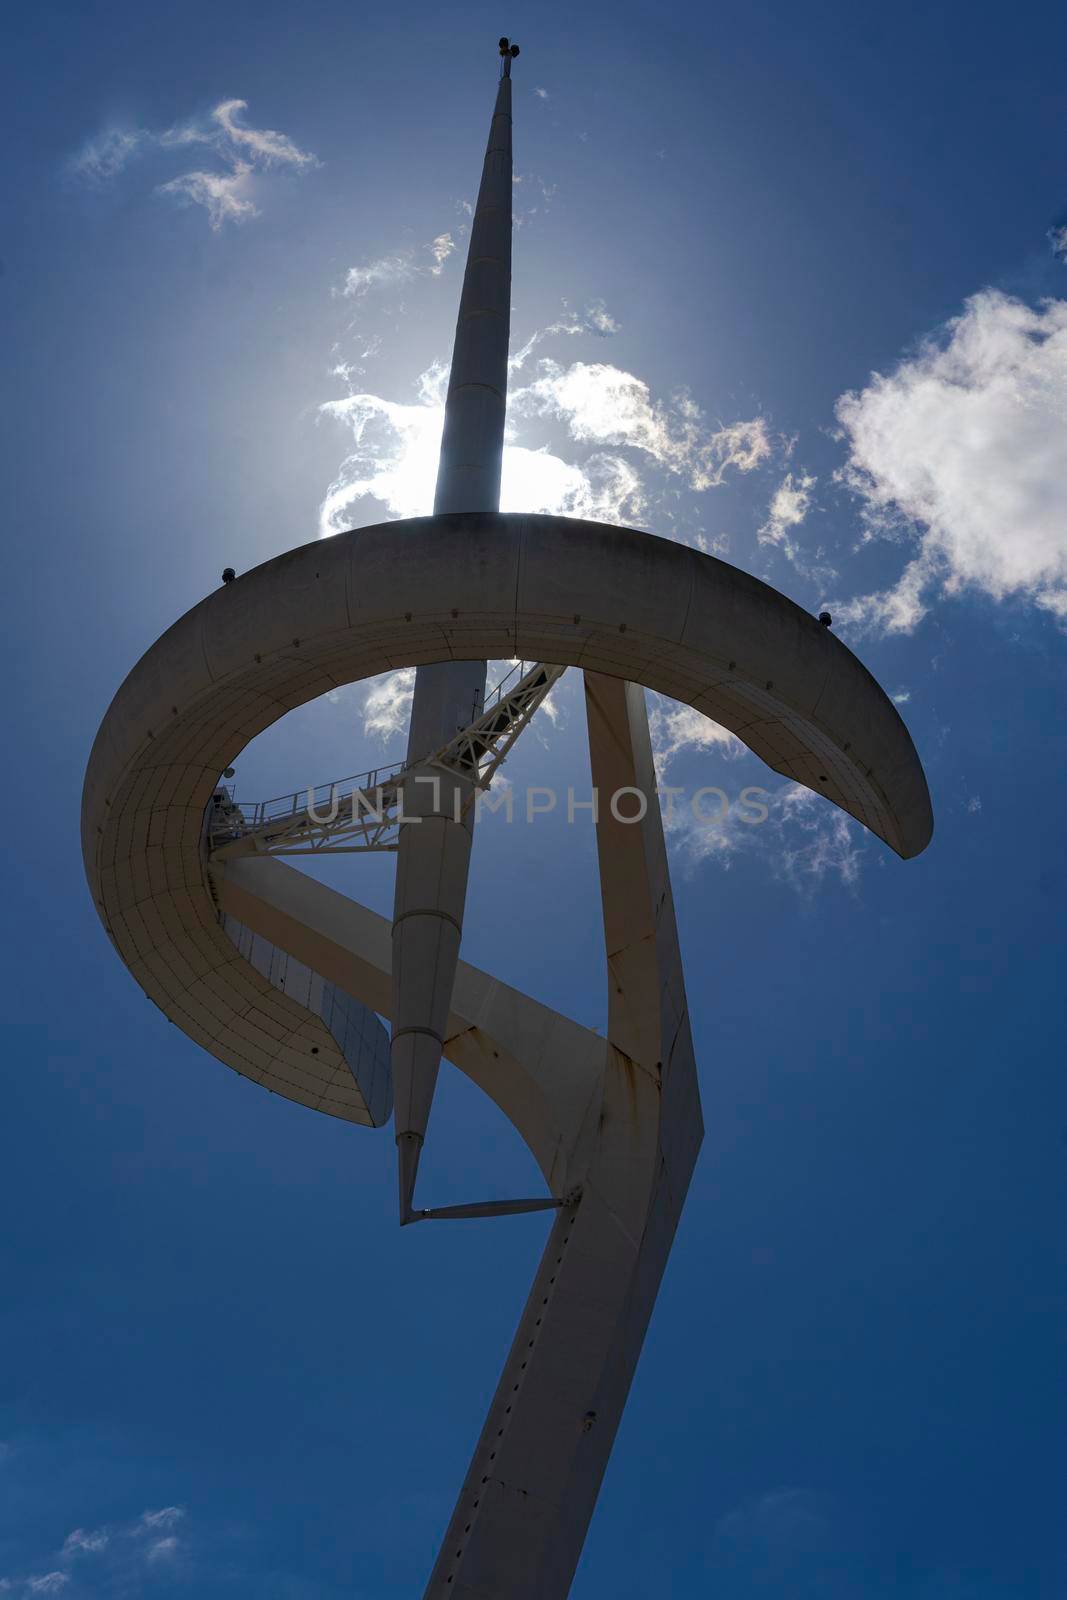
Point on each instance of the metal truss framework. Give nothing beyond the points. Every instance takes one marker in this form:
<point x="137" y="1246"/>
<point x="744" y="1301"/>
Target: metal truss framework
<point x="367" y="813"/>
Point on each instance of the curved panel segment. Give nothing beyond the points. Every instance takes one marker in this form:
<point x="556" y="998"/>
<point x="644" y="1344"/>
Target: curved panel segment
<point x="356" y="1031"/>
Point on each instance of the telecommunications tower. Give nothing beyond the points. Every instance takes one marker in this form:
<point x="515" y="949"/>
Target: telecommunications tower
<point x="284" y="979"/>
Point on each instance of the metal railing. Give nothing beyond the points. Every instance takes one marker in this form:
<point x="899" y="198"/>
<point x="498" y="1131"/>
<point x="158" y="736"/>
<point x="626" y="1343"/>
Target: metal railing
<point x="233" y="817"/>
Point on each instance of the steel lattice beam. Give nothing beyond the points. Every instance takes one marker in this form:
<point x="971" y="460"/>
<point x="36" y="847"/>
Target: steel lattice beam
<point x="369" y="818"/>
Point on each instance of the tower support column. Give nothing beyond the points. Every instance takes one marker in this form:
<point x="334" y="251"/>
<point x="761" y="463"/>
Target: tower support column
<point x="530" y="1491"/>
<point x="434" y="853"/>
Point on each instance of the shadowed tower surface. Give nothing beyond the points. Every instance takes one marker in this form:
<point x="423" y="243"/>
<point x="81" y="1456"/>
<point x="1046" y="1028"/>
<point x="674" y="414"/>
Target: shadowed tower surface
<point x="433" y="858"/>
<point x="284" y="980"/>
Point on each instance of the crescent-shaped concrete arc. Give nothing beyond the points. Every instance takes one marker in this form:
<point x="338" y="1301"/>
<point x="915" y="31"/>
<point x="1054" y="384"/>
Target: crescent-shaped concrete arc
<point x="458" y="587"/>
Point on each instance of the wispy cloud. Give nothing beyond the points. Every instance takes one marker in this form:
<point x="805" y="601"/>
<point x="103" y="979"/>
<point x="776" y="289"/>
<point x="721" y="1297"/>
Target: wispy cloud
<point x="243" y="153"/>
<point x="441" y="248"/>
<point x="802" y="839"/>
<point x="384" y="271"/>
<point x="542" y="94"/>
<point x="121" y="1559"/>
<point x="790" y="504"/>
<point x="387" y="703"/>
<point x="83" y="1542"/>
<point x="1057" y="238"/>
<point x="598" y="319"/>
<point x="536" y="196"/>
<point x="613" y="431"/>
<point x="601" y="404"/>
<point x="961" y="448"/>
<point x="263" y="144"/>
<point x="156" y="1521"/>
<point x="594" y="318"/>
<point x="402" y="266"/>
<point x="676" y="728"/>
<point x="108" y="153"/>
<point x="224" y="196"/>
<point x="395" y="456"/>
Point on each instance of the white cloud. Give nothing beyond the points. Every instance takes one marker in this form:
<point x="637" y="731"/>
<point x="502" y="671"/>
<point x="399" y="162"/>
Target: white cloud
<point x="546" y="189"/>
<point x="803" y="838"/>
<point x="789" y="506"/>
<point x="964" y="441"/>
<point x="542" y="94"/>
<point x="601" y="404"/>
<point x="441" y="248"/>
<point x="604" y="489"/>
<point x="396" y="456"/>
<point x="224" y="196"/>
<point x="81" y="1542"/>
<point x="599" y="319"/>
<point x="676" y="728"/>
<point x="386" y="270"/>
<point x="400" y="267"/>
<point x="156" y="1521"/>
<point x="816" y="839"/>
<point x="387" y="703"/>
<point x="552" y="708"/>
<point x="150" y="1538"/>
<point x="223" y="193"/>
<point x="262" y="143"/>
<point x="595" y="319"/>
<point x="974" y="804"/>
<point x="107" y="154"/>
<point x="1057" y="238"/>
<point x="902" y="697"/>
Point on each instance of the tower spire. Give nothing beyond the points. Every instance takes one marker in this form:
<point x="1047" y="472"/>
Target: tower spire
<point x="434" y="854"/>
<point x="472" y="444"/>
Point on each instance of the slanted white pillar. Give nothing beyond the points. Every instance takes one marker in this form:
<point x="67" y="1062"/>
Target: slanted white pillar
<point x="434" y="853"/>
<point x="522" y="1514"/>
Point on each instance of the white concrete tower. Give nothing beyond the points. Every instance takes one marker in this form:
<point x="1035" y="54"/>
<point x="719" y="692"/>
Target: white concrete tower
<point x="284" y="979"/>
<point x="434" y="853"/>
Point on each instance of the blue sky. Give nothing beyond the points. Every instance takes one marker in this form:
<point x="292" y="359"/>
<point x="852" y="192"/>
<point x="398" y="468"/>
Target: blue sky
<point x="789" y="284"/>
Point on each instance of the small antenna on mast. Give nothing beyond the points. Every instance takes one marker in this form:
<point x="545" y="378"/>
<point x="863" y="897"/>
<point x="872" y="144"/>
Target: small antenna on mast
<point x="508" y="51"/>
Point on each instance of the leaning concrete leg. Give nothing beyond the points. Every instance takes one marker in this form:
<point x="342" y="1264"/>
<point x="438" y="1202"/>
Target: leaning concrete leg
<point x="518" y="1528"/>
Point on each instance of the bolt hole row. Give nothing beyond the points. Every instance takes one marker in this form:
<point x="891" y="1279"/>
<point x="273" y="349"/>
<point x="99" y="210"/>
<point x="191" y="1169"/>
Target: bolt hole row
<point x="514" y="1389"/>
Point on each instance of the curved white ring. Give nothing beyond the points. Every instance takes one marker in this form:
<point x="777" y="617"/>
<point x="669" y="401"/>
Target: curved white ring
<point x="609" y="599"/>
